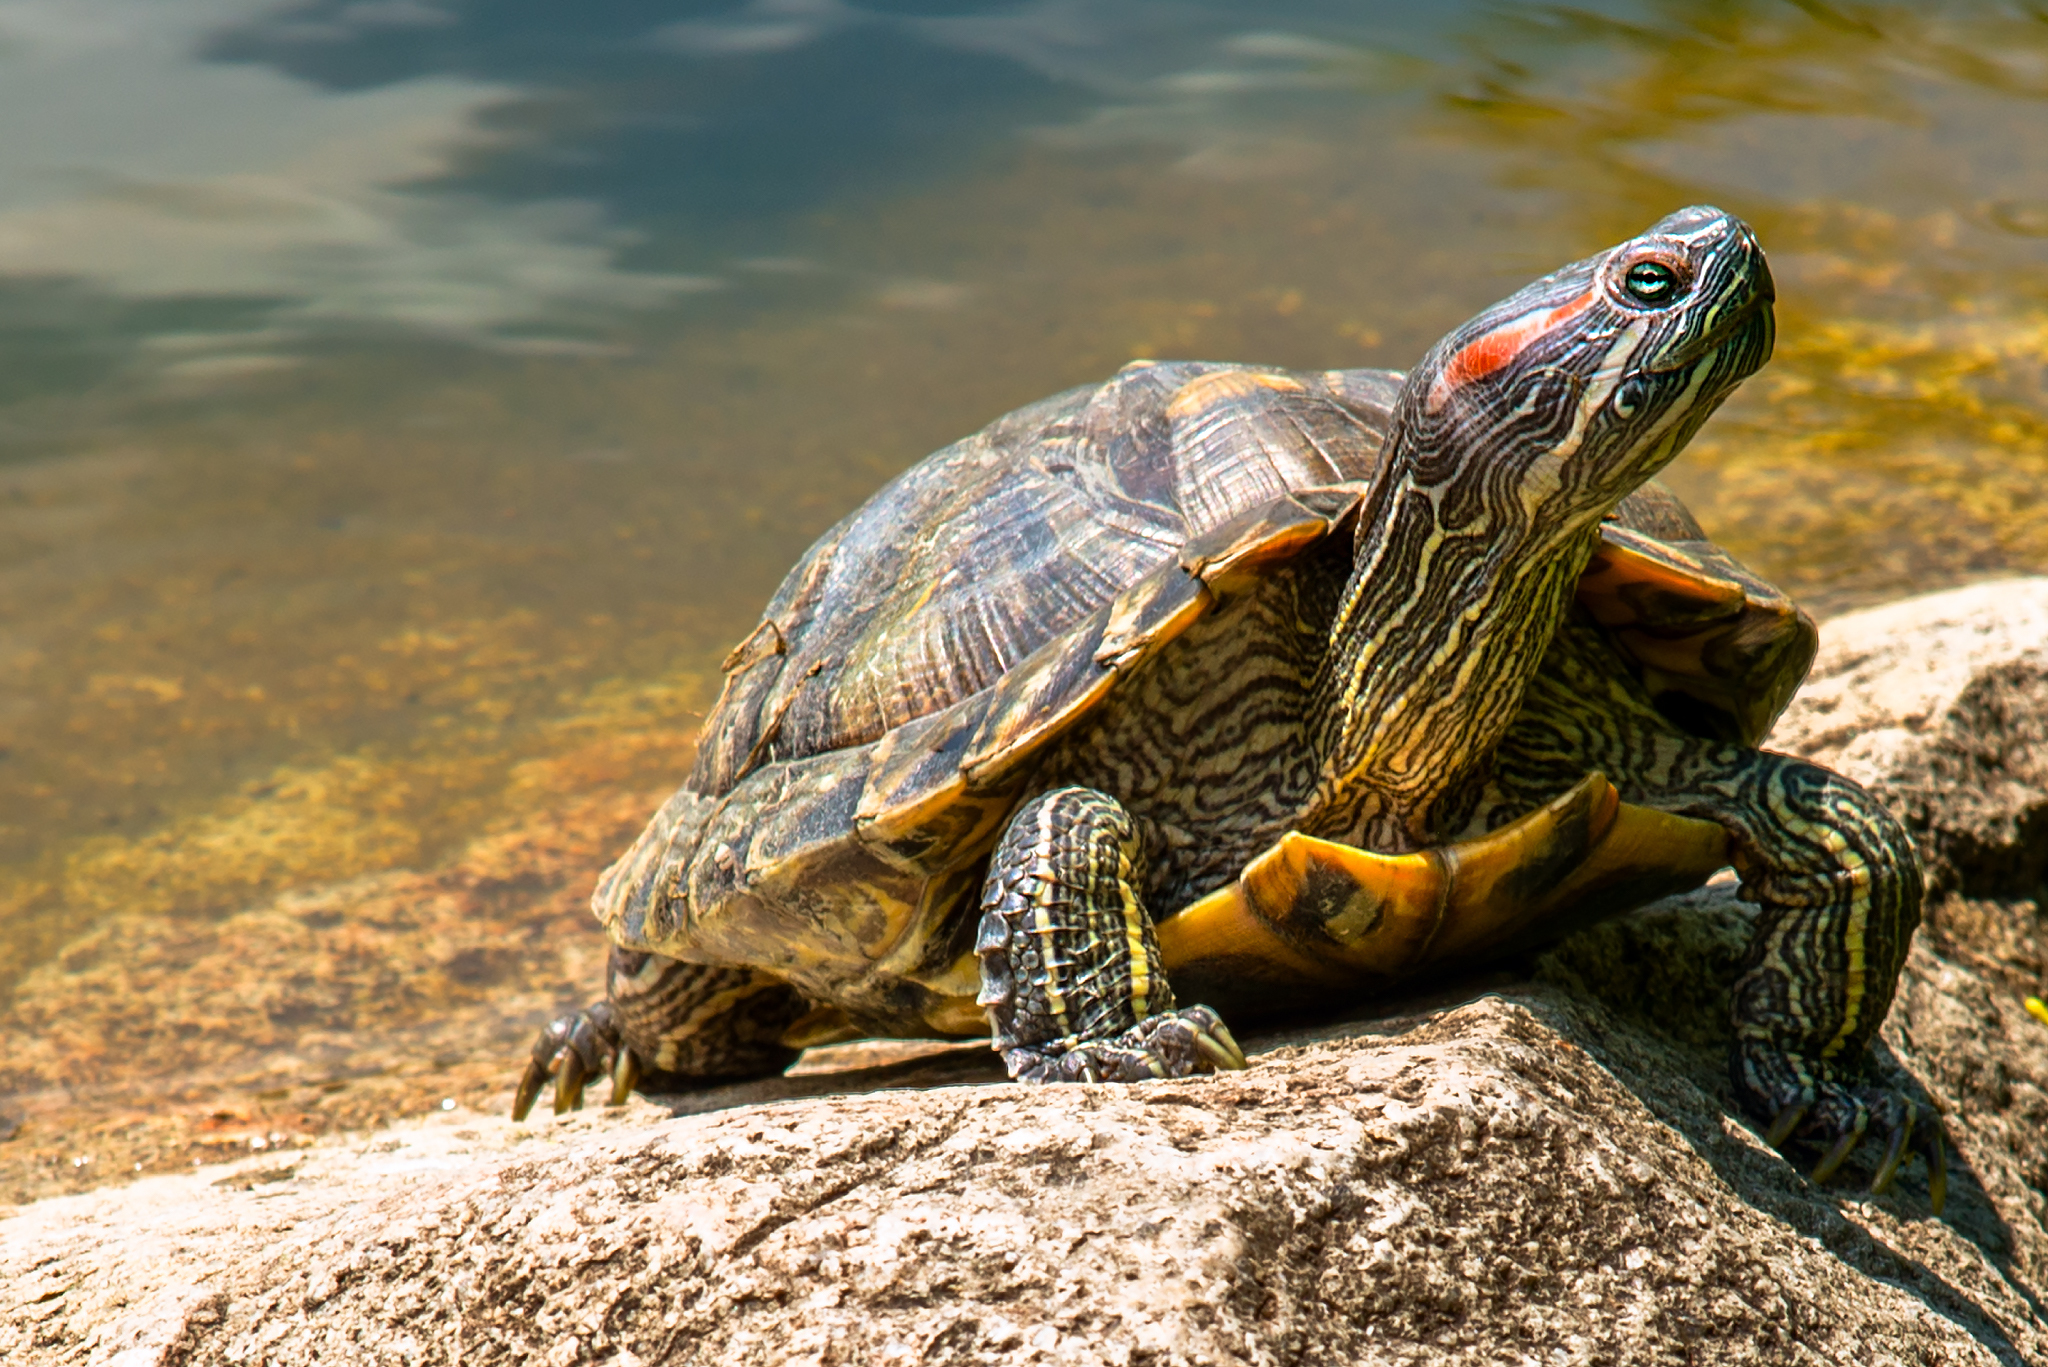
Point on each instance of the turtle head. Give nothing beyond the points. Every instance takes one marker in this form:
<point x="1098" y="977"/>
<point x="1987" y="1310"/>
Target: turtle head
<point x="1551" y="406"/>
<point x="1515" y="435"/>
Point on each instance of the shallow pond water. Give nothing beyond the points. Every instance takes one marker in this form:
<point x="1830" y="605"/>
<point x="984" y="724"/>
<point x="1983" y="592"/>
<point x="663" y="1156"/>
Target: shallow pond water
<point x="405" y="403"/>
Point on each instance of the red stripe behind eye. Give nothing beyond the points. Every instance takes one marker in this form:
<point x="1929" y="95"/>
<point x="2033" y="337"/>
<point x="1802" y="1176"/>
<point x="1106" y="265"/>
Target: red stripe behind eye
<point x="1485" y="354"/>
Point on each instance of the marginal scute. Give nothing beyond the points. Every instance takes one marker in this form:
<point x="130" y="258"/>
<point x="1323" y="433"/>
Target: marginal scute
<point x="1037" y="700"/>
<point x="1225" y="557"/>
<point x="915" y="808"/>
<point x="1636" y="580"/>
<point x="1722" y="650"/>
<point x="1654" y="510"/>
<point x="1158" y="607"/>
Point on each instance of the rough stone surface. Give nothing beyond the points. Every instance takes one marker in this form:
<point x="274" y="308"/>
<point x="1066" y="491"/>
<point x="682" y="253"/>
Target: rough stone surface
<point x="1543" y="1167"/>
<point x="1941" y="705"/>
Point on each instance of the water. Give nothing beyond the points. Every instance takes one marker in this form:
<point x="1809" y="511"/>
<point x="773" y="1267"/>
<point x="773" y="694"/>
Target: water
<point x="403" y="405"/>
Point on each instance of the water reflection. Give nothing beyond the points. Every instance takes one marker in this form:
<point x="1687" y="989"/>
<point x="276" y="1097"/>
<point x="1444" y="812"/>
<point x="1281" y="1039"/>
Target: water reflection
<point x="403" y="405"/>
<point x="1893" y="157"/>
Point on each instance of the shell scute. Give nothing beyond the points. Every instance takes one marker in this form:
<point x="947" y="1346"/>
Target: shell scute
<point x="1243" y="437"/>
<point x="915" y="810"/>
<point x="1721" y="649"/>
<point x="1226" y="556"/>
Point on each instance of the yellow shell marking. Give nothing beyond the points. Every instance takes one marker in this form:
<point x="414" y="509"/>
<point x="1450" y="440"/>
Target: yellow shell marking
<point x="1223" y="385"/>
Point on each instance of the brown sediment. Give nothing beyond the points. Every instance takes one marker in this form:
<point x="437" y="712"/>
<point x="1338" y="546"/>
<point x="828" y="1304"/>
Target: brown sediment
<point x="155" y="1040"/>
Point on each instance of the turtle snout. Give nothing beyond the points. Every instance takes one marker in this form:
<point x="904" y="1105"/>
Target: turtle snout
<point x="1749" y="263"/>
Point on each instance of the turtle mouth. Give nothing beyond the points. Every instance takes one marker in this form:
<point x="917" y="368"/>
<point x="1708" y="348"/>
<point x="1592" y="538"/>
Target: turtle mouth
<point x="1748" y="329"/>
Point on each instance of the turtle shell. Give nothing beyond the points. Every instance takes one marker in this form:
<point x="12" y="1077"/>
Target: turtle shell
<point x="966" y="564"/>
<point x="879" y="726"/>
<point x="994" y="554"/>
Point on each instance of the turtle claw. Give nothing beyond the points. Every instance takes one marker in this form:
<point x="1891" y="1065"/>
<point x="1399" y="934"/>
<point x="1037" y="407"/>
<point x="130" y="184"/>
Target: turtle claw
<point x="1220" y="1047"/>
<point x="569" y="1083"/>
<point x="1172" y="1044"/>
<point x="1787" y="1121"/>
<point x="1937" y="1169"/>
<point x="1836" y="1156"/>
<point x="1842" y="1117"/>
<point x="571" y="1049"/>
<point x="1894" y="1153"/>
<point x="530" y="1082"/>
<point x="625" y="1076"/>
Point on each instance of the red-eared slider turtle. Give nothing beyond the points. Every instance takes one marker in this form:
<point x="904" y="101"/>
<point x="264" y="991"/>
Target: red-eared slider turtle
<point x="1252" y="687"/>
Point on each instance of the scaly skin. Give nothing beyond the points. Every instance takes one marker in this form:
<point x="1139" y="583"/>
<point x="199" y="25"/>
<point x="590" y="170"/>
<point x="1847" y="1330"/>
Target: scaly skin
<point x="663" y="1021"/>
<point x="1070" y="967"/>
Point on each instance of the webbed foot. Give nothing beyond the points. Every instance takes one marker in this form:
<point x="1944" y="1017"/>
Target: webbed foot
<point x="1172" y="1044"/>
<point x="1837" y="1119"/>
<point x="572" y="1049"/>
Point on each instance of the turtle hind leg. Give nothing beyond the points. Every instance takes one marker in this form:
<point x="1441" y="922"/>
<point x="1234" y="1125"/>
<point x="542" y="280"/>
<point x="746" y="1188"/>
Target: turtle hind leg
<point x="667" y="1025"/>
<point x="1071" y="973"/>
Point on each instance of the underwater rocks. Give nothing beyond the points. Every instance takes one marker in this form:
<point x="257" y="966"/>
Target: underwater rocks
<point x="1545" y="1167"/>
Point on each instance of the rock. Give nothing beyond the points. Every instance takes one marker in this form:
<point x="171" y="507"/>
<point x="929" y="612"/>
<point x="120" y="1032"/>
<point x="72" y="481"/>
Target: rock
<point x="1545" y="1166"/>
<point x="1940" y="704"/>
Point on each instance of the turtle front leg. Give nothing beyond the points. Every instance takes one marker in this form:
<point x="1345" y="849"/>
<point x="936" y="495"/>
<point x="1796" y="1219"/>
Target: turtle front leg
<point x="667" y="1022"/>
<point x="1070" y="967"/>
<point x="1835" y="876"/>
<point x="1840" y="889"/>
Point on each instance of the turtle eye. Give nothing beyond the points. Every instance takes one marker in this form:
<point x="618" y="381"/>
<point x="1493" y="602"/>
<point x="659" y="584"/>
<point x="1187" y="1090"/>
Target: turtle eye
<point x="1650" y="282"/>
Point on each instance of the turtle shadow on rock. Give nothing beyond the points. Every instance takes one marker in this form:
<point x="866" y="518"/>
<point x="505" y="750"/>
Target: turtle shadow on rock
<point x="1646" y="995"/>
<point x="902" y="1065"/>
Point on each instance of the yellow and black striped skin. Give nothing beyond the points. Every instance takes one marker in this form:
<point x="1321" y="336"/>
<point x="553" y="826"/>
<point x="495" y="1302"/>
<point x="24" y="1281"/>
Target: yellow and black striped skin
<point x="1516" y="435"/>
<point x="1072" y="977"/>
<point x="1208" y="606"/>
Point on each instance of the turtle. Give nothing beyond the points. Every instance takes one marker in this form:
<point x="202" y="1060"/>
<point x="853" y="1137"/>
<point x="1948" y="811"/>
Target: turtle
<point x="1255" y="688"/>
